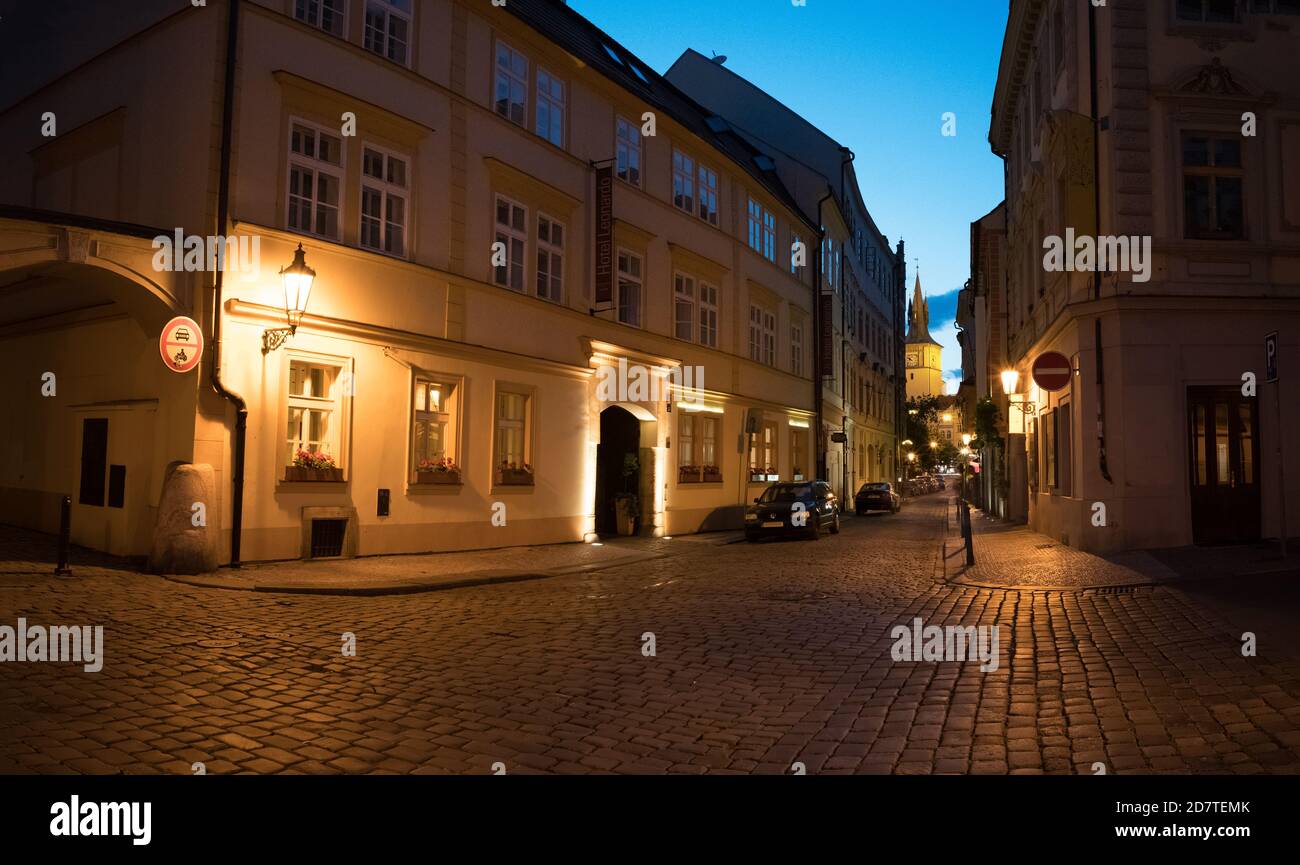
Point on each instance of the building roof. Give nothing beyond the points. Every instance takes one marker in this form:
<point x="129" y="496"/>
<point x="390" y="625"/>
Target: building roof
<point x="773" y="123"/>
<point x="601" y="52"/>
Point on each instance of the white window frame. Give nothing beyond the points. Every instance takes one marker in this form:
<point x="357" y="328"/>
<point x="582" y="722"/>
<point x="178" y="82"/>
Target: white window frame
<point x="387" y="189"/>
<point x="341" y="7"/>
<point x="390" y="10"/>
<point x="556" y="107"/>
<point x="706" y="194"/>
<point x="525" y="425"/>
<point x="762" y="335"/>
<point x="638" y="279"/>
<point x="554" y="252"/>
<point x="317" y="166"/>
<point x="685" y="287"/>
<point x="684" y="181"/>
<point x="448" y="415"/>
<point x="507" y="233"/>
<point x="511" y="77"/>
<point x="627" y="146"/>
<point x="340" y="400"/>
<point x="708" y="314"/>
<point x="796" y="348"/>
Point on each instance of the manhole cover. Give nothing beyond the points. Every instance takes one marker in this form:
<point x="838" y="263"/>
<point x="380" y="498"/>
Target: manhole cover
<point x="217" y="644"/>
<point x="1044" y="546"/>
<point x="279" y="636"/>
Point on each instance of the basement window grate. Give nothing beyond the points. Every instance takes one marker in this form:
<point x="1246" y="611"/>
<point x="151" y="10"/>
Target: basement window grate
<point x="327" y="538"/>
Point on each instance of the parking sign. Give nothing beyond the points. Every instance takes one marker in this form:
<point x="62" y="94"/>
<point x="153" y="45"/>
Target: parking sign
<point x="1270" y="357"/>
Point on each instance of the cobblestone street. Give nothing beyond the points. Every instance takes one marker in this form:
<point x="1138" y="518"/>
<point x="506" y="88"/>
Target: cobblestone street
<point x="765" y="655"/>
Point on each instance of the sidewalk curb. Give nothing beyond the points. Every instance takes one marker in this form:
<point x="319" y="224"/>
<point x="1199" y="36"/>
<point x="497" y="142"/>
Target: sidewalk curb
<point x="456" y="581"/>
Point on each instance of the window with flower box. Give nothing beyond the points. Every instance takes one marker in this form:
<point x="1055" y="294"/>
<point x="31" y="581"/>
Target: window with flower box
<point x="763" y="455"/>
<point x="512" y="422"/>
<point x="697" y="449"/>
<point x="798" y="454"/>
<point x="433" y="431"/>
<point x="315" y="420"/>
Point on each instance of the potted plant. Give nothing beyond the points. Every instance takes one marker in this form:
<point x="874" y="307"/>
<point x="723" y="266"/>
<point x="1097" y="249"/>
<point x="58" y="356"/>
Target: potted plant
<point x="627" y="504"/>
<point x="312" y="466"/>
<point x="712" y="474"/>
<point x="511" y="474"/>
<point x="688" y="475"/>
<point x="439" y="471"/>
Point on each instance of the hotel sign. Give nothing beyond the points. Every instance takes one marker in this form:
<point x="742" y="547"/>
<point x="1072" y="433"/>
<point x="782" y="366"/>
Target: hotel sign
<point x="827" y="326"/>
<point x="605" y="235"/>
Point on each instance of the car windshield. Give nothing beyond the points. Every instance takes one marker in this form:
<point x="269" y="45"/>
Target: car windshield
<point x="875" y="487"/>
<point x="786" y="493"/>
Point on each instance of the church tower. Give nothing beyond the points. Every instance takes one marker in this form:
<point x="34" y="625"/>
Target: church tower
<point x="924" y="355"/>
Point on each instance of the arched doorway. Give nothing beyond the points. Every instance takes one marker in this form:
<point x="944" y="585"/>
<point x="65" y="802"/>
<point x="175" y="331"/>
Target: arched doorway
<point x="620" y="437"/>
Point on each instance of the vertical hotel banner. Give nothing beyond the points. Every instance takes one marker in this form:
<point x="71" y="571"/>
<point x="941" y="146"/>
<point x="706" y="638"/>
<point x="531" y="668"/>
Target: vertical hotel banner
<point x="605" y="235"/>
<point x="827" y="324"/>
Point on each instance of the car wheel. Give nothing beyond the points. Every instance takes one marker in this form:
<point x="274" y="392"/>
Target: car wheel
<point x="835" y="526"/>
<point x="859" y="511"/>
<point x="752" y="537"/>
<point x="815" y="530"/>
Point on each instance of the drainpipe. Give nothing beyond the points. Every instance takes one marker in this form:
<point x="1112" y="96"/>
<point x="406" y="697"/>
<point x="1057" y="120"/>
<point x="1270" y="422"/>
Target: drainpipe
<point x="223" y="218"/>
<point x="819" y="446"/>
<point x="1096" y="274"/>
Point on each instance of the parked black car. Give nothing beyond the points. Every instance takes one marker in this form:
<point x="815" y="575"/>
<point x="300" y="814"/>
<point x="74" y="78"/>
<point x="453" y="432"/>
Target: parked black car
<point x="775" y="511"/>
<point x="877" y="497"/>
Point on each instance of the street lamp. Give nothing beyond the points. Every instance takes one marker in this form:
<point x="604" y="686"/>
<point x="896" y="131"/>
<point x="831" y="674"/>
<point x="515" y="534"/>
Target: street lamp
<point x="1010" y="384"/>
<point x="965" y="439"/>
<point x="297" y="279"/>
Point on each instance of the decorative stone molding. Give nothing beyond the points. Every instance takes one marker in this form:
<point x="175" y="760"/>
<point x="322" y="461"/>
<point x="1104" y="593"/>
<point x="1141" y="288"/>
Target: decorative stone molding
<point x="1214" y="79"/>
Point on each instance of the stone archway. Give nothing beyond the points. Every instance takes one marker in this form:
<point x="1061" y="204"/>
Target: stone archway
<point x="95" y="413"/>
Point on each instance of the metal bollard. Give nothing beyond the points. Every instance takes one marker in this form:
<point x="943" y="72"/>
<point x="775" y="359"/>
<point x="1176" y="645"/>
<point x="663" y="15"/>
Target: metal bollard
<point x="968" y="533"/>
<point x="65" y="537"/>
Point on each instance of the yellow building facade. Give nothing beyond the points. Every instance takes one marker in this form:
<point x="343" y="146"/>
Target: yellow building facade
<point x="503" y="207"/>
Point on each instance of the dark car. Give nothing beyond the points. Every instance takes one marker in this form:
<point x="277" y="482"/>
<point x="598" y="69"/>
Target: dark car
<point x="877" y="497"/>
<point x="806" y="508"/>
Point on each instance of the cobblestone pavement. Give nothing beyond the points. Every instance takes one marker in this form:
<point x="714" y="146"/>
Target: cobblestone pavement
<point x="1012" y="556"/>
<point x="764" y="655"/>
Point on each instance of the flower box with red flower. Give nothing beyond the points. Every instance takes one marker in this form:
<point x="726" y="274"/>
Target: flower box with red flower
<point x="313" y="467"/>
<point x="512" y="475"/>
<point x="439" y="471"/>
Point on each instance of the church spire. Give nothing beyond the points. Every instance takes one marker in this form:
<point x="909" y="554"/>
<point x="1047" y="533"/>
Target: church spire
<point x="918" y="323"/>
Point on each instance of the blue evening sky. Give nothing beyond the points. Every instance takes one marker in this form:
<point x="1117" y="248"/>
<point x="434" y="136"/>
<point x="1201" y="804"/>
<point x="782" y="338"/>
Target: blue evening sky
<point x="876" y="76"/>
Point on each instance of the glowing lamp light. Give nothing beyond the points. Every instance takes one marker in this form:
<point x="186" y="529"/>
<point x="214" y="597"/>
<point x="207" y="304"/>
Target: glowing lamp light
<point x="1010" y="381"/>
<point x="297" y="279"/>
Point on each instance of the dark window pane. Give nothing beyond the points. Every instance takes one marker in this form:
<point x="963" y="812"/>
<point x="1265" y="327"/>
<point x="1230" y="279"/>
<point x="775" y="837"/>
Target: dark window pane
<point x="116" y="486"/>
<point x="94" y="460"/>
<point x="1221" y="11"/>
<point x="1196" y="205"/>
<point x="1196" y="151"/>
<point x="1189" y="10"/>
<point x="1227" y="206"/>
<point x="1227" y="152"/>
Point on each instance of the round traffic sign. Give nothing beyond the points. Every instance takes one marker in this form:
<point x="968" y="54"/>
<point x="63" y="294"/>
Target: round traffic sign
<point x="1051" y="371"/>
<point x="181" y="344"/>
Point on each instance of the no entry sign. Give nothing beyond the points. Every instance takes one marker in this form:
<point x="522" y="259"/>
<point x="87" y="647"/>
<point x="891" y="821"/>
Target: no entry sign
<point x="1052" y="371"/>
<point x="181" y="344"/>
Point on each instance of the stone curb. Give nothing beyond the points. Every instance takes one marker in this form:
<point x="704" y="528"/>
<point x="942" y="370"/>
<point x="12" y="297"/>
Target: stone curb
<point x="405" y="587"/>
